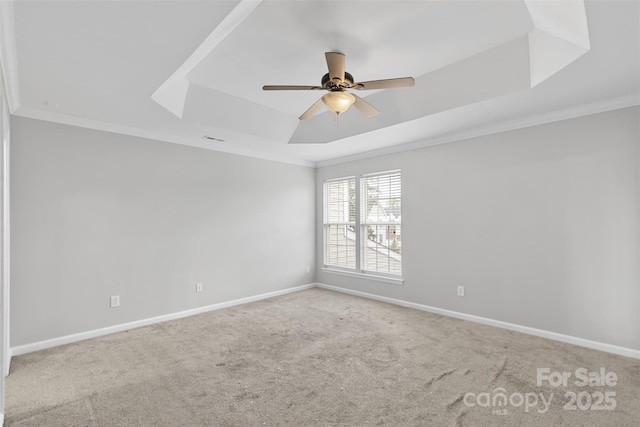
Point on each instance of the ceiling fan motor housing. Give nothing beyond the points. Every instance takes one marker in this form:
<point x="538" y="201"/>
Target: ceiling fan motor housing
<point x="338" y="100"/>
<point x="334" y="85"/>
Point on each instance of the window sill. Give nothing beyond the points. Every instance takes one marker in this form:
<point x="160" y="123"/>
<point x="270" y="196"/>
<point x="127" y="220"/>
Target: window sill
<point x="392" y="280"/>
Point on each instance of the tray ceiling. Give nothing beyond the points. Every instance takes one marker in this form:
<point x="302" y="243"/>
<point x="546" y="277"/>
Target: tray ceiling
<point x="182" y="70"/>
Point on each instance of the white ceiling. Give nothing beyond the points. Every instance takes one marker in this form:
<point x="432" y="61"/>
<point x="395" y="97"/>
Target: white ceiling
<point x="98" y="63"/>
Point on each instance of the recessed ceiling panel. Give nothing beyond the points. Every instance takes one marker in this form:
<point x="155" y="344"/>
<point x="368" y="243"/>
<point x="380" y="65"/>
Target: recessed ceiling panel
<point x="283" y="42"/>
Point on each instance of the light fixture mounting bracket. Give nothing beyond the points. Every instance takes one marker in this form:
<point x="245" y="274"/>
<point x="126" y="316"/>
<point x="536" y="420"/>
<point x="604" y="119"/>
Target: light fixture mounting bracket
<point x="336" y="85"/>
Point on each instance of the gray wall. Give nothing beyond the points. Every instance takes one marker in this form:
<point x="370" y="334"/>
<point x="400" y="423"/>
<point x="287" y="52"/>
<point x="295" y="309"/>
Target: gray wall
<point x="4" y="239"/>
<point x="541" y="226"/>
<point x="96" y="214"/>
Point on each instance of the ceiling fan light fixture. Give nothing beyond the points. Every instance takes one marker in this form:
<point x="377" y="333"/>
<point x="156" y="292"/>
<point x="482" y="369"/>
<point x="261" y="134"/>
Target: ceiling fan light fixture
<point x="337" y="82"/>
<point x="338" y="102"/>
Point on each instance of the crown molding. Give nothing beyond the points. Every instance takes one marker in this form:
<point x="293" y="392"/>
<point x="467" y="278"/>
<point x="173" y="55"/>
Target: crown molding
<point x="8" y="56"/>
<point x="521" y="123"/>
<point x="83" y="122"/>
<point x="554" y="116"/>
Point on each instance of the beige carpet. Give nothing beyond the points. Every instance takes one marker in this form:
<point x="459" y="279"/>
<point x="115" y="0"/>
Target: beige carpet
<point x="314" y="358"/>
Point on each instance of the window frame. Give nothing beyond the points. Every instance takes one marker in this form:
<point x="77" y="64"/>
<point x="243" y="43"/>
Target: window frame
<point x="364" y="223"/>
<point x="360" y="240"/>
<point x="326" y="224"/>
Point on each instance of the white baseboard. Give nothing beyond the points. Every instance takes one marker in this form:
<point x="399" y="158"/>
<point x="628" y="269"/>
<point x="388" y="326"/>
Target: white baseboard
<point x="1" y="419"/>
<point x="7" y="366"/>
<point x="609" y="348"/>
<point x="41" y="345"/>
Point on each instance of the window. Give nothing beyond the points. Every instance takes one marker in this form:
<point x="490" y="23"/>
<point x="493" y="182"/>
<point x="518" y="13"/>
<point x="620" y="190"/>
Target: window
<point x="340" y="223"/>
<point x="380" y="197"/>
<point x="362" y="225"/>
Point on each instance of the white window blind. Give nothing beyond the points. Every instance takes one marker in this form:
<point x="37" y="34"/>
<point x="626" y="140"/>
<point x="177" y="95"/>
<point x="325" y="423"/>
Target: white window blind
<point x="340" y="223"/>
<point x="380" y="223"/>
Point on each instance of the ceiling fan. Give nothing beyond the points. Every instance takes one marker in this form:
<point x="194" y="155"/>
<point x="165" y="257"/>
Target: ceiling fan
<point x="337" y="82"/>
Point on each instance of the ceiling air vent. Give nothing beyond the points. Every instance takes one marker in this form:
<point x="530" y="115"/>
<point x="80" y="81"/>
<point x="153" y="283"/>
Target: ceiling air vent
<point x="211" y="138"/>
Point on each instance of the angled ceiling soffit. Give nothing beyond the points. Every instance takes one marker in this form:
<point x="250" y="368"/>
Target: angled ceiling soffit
<point x="560" y="36"/>
<point x="172" y="94"/>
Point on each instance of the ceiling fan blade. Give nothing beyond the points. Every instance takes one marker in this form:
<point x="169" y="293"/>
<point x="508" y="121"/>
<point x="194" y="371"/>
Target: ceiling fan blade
<point x="384" y="84"/>
<point x="335" y="63"/>
<point x="366" y="108"/>
<point x="313" y="110"/>
<point x="280" y="87"/>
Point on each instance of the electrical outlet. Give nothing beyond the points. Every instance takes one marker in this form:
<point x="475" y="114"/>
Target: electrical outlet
<point x="115" y="301"/>
<point x="308" y="269"/>
<point x="199" y="287"/>
<point x="460" y="291"/>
